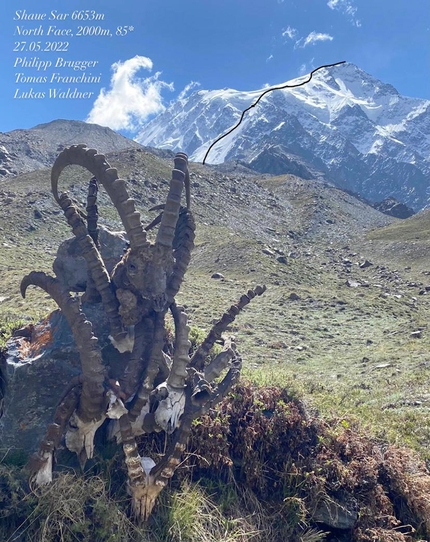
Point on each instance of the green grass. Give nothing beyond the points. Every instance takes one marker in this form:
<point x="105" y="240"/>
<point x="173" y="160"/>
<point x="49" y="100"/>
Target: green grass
<point x="317" y="343"/>
<point x="415" y="228"/>
<point x="347" y="352"/>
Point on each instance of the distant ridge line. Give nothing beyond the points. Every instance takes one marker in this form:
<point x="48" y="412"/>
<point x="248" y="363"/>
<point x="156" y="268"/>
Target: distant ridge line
<point x="263" y="94"/>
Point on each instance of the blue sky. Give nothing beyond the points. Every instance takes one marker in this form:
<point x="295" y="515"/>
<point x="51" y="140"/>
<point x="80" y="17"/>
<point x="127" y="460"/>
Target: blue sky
<point x="177" y="45"/>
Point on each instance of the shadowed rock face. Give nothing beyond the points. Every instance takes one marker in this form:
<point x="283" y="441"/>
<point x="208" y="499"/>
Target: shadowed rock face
<point x="38" y="369"/>
<point x="392" y="207"/>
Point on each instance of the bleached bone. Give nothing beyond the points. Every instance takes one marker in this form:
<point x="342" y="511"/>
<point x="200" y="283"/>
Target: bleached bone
<point x="116" y="407"/>
<point x="124" y="343"/>
<point x="114" y="431"/>
<point x="170" y="409"/>
<point x="44" y="474"/>
<point x="80" y="435"/>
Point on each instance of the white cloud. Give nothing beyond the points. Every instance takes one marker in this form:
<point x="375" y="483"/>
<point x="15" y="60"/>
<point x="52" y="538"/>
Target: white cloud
<point x="312" y="39"/>
<point x="307" y="67"/>
<point x="347" y="7"/>
<point x="269" y="58"/>
<point x="303" y="69"/>
<point x="188" y="88"/>
<point x="130" y="100"/>
<point x="289" y="33"/>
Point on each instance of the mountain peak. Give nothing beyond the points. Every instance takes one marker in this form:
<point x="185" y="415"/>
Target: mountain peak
<point x="359" y="132"/>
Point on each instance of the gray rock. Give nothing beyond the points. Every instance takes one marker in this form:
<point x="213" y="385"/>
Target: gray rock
<point x="340" y="513"/>
<point x="38" y="366"/>
<point x="282" y="259"/>
<point x="268" y="252"/>
<point x="217" y="276"/>
<point x="352" y="283"/>
<point x="71" y="268"/>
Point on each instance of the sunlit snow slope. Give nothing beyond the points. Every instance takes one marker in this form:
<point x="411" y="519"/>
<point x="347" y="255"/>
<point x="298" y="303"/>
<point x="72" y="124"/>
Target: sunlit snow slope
<point x="343" y="126"/>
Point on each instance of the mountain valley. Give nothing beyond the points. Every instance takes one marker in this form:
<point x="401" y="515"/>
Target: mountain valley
<point x="344" y="320"/>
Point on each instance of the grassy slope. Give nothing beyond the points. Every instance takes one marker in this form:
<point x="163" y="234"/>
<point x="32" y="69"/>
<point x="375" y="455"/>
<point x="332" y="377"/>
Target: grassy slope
<point x="347" y="349"/>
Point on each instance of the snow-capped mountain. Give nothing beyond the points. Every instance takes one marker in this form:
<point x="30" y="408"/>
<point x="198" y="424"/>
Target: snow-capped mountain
<point x="344" y="126"/>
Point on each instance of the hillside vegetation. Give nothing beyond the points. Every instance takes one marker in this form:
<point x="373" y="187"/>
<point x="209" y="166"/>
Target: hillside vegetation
<point x="343" y="326"/>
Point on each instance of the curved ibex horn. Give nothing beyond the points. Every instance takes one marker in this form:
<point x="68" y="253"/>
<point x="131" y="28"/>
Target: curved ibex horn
<point x="96" y="267"/>
<point x="91" y="403"/>
<point x="183" y="244"/>
<point x="178" y="371"/>
<point x="81" y="155"/>
<point x="166" y="232"/>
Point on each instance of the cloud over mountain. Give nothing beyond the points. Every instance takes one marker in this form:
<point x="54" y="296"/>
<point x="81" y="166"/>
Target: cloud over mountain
<point x="130" y="100"/>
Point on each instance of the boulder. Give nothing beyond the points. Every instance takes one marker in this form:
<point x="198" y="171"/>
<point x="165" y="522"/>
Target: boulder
<point x="337" y="513"/>
<point x="41" y="359"/>
<point x="39" y="363"/>
<point x="71" y="268"/>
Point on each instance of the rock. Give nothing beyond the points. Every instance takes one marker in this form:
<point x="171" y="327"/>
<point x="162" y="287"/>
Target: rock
<point x="282" y="259"/>
<point x="26" y="331"/>
<point x="294" y="297"/>
<point x="38" y="366"/>
<point x="340" y="513"/>
<point x="71" y="268"/>
<point x="390" y="206"/>
<point x="365" y="264"/>
<point x="352" y="283"/>
<point x="416" y="335"/>
<point x="217" y="276"/>
<point x="37" y="214"/>
<point x="268" y="252"/>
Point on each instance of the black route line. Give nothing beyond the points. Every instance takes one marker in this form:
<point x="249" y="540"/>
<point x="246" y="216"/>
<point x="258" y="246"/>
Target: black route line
<point x="264" y="93"/>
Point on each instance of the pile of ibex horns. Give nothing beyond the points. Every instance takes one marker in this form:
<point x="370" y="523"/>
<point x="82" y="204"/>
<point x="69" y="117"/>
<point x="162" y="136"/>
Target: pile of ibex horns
<point x="135" y="297"/>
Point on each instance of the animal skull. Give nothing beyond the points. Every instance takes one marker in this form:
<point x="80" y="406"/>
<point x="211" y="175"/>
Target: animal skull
<point x="170" y="408"/>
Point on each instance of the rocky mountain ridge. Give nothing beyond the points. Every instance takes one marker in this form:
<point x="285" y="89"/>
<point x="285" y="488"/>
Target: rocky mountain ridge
<point x="22" y="151"/>
<point x="344" y="127"/>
